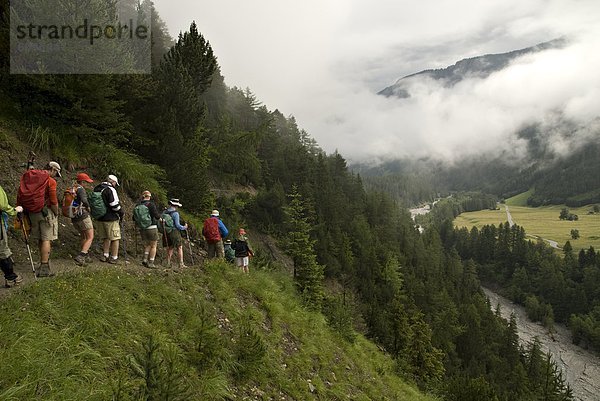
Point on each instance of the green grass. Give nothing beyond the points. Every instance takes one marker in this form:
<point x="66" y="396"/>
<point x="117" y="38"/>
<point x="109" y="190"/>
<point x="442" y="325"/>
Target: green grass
<point x="481" y="218"/>
<point x="521" y="199"/>
<point x="543" y="222"/>
<point x="205" y="335"/>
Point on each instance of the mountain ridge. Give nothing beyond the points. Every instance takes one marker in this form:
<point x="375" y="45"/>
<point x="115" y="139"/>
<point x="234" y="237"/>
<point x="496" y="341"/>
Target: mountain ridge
<point x="478" y="66"/>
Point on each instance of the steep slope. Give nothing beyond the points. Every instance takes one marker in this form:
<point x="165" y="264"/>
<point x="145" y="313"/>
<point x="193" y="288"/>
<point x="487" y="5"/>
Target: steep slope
<point x="202" y="334"/>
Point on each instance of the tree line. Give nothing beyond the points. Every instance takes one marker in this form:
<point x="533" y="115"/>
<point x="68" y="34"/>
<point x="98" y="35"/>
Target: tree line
<point x="552" y="288"/>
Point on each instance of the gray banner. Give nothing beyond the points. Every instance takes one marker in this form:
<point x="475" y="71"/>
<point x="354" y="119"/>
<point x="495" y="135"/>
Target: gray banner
<point x="80" y="37"/>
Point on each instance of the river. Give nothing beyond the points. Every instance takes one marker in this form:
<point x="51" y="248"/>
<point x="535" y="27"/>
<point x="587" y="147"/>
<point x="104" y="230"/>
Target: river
<point x="581" y="368"/>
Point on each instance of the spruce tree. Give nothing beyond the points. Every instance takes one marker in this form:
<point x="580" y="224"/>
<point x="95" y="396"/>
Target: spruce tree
<point x="300" y="246"/>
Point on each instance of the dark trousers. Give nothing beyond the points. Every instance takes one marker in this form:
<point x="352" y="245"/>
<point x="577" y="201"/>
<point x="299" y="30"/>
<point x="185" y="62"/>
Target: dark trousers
<point x="7" y="269"/>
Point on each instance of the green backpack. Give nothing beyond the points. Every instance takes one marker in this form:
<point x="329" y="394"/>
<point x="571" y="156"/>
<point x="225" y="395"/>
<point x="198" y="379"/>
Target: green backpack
<point x="166" y="222"/>
<point x="141" y="216"/>
<point x="97" y="206"/>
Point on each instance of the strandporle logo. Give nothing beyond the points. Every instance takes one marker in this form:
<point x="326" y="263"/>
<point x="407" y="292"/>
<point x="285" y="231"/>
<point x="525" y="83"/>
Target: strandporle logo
<point x="62" y="37"/>
<point x="83" y="31"/>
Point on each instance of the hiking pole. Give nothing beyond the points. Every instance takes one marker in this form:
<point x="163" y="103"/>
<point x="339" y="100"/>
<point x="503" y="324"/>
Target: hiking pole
<point x="135" y="254"/>
<point x="190" y="245"/>
<point x="26" y="237"/>
<point x="30" y="160"/>
<point x="166" y="240"/>
<point x="124" y="239"/>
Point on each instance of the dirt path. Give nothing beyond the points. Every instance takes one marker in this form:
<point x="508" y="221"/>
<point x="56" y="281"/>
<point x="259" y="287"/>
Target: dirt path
<point x="62" y="266"/>
<point x="580" y="367"/>
<point x="509" y="216"/>
<point x="511" y="222"/>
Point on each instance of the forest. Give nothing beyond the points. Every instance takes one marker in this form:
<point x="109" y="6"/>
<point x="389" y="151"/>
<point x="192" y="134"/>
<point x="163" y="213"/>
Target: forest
<point x="552" y="288"/>
<point x="181" y="131"/>
<point x="555" y="180"/>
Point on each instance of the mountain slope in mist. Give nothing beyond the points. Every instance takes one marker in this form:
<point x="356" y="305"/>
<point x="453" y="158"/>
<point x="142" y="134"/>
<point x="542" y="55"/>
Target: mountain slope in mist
<point x="571" y="180"/>
<point x="552" y="152"/>
<point x="478" y="67"/>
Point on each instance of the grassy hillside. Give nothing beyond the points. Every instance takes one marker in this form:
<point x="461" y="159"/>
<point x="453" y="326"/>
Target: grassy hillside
<point x="520" y="199"/>
<point x="204" y="334"/>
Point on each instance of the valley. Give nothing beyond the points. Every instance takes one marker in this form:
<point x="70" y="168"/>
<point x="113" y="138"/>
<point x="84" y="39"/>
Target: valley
<point x="580" y="367"/>
<point x="541" y="222"/>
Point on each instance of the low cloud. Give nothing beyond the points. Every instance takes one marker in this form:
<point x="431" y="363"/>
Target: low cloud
<point x="325" y="62"/>
<point x="556" y="90"/>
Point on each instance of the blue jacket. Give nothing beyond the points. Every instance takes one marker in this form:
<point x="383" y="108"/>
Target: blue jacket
<point x="222" y="229"/>
<point x="175" y="216"/>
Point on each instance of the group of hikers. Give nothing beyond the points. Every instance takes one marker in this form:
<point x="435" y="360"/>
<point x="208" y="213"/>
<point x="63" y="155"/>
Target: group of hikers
<point x="37" y="210"/>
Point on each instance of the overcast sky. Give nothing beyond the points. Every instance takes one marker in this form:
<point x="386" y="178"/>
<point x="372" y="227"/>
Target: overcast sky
<point x="324" y="61"/>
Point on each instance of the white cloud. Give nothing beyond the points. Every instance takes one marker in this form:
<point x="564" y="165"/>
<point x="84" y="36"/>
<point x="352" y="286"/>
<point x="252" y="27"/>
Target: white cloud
<point x="325" y="61"/>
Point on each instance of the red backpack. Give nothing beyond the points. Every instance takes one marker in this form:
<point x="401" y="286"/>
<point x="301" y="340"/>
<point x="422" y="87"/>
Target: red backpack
<point x="211" y="230"/>
<point x="32" y="190"/>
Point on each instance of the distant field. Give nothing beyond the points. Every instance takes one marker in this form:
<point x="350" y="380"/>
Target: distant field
<point x="519" y="200"/>
<point x="543" y="222"/>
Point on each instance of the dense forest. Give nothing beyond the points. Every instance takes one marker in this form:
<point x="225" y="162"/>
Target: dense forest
<point x="181" y="131"/>
<point x="552" y="288"/>
<point x="570" y="179"/>
<point x="455" y="204"/>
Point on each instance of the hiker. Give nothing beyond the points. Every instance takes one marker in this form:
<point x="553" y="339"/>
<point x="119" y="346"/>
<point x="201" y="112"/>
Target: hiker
<point x="146" y="217"/>
<point x="11" y="278"/>
<point x="81" y="219"/>
<point x="214" y="231"/>
<point x="37" y="196"/>
<point x="109" y="229"/>
<point x="171" y="227"/>
<point x="229" y="252"/>
<point x="243" y="251"/>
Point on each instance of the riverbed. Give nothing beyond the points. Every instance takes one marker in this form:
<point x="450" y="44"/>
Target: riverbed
<point x="581" y="368"/>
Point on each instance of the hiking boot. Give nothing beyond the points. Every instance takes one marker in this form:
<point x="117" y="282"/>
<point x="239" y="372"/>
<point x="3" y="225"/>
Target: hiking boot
<point x="145" y="263"/>
<point x="44" y="270"/>
<point x="80" y="260"/>
<point x="103" y="258"/>
<point x="151" y="265"/>
<point x="113" y="261"/>
<point x="13" y="282"/>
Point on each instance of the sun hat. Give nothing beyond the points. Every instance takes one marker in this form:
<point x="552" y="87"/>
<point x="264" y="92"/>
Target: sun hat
<point x="83" y="177"/>
<point x="146" y="194"/>
<point x="113" y="178"/>
<point x="56" y="167"/>
<point x="215" y="213"/>
<point x="175" y="202"/>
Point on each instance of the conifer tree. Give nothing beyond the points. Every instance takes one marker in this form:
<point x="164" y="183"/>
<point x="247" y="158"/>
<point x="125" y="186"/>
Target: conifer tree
<point x="300" y="246"/>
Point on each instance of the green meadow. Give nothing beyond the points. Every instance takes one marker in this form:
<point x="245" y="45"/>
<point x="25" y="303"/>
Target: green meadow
<point x="541" y="222"/>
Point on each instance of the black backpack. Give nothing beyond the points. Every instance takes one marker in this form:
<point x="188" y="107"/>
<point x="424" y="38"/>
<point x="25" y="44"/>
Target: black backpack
<point x="241" y="248"/>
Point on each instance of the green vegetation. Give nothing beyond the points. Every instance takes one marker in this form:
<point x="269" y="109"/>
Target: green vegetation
<point x="552" y="288"/>
<point x="203" y="335"/>
<point x="183" y="133"/>
<point x="481" y="218"/>
<point x="456" y="204"/>
<point x="542" y="222"/>
<point x="521" y="199"/>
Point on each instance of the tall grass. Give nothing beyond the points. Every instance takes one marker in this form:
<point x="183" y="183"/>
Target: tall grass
<point x="134" y="174"/>
<point x="41" y="138"/>
<point x="200" y="335"/>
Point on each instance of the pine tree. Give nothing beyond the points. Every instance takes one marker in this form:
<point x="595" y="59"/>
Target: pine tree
<point x="300" y="246"/>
